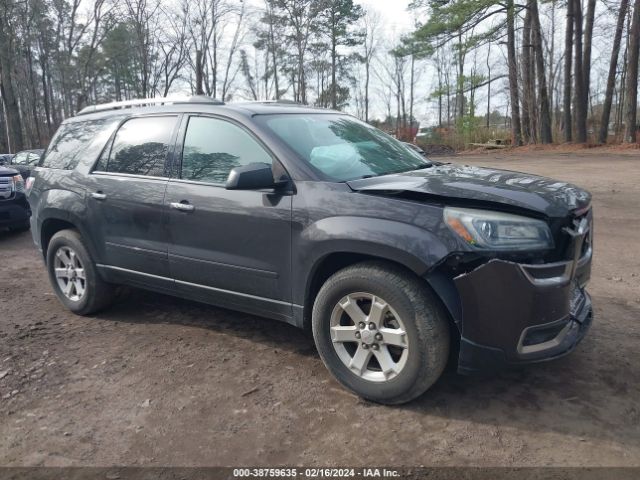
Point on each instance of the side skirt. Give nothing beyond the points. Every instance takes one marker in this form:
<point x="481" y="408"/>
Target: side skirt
<point x="260" y="306"/>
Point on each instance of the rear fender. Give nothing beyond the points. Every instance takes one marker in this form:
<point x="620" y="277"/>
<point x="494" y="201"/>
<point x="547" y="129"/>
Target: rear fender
<point x="67" y="206"/>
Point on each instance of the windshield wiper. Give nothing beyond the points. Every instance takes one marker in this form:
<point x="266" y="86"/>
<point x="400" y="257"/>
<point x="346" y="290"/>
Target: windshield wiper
<point x="372" y="175"/>
<point x="421" y="167"/>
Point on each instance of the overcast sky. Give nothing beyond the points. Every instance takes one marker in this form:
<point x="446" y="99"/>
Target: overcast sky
<point x="393" y="12"/>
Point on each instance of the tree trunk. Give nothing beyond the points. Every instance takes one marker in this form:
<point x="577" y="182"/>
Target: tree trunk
<point x="545" y="109"/>
<point x="580" y="117"/>
<point x="568" y="56"/>
<point x="460" y="80"/>
<point x="199" y="90"/>
<point x="551" y="63"/>
<point x="527" y="77"/>
<point x="488" y="86"/>
<point x="611" y="78"/>
<point x="411" y="91"/>
<point x="273" y="53"/>
<point x="334" y="93"/>
<point x="366" y="91"/>
<point x="586" y="59"/>
<point x="516" y="130"/>
<point x="632" y="77"/>
<point x="12" y="111"/>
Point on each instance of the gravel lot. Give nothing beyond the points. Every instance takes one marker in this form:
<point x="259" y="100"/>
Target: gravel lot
<point x="161" y="381"/>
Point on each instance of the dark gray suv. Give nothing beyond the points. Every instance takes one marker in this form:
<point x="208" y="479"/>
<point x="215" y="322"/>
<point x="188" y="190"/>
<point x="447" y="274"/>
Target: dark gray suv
<point x="309" y="216"/>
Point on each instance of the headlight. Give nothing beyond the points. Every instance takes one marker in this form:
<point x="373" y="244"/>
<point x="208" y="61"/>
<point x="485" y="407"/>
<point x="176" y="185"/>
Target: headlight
<point x="490" y="230"/>
<point x="18" y="183"/>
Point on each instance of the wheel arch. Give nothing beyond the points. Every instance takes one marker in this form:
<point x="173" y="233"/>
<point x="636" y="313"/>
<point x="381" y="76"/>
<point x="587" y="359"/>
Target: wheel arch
<point x="332" y="243"/>
<point x="333" y="262"/>
<point x="55" y="221"/>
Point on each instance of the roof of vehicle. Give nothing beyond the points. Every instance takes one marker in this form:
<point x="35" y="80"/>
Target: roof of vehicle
<point x="195" y="104"/>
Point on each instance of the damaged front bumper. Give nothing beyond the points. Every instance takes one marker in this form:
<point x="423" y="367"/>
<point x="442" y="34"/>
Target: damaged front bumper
<point x="516" y="313"/>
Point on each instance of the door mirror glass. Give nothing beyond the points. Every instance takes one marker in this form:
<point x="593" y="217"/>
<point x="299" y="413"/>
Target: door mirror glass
<point x="253" y="176"/>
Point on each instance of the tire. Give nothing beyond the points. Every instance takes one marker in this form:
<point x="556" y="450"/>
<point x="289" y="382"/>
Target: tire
<point x="96" y="294"/>
<point x="418" y="357"/>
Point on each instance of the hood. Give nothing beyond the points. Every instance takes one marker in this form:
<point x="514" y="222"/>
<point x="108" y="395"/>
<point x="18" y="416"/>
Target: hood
<point x="8" y="172"/>
<point x="552" y="198"/>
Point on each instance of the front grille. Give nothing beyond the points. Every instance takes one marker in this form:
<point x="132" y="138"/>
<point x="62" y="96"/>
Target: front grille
<point x="6" y="188"/>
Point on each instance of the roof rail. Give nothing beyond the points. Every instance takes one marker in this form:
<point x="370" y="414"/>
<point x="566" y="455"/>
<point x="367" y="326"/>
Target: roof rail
<point x="146" y="102"/>
<point x="275" y="102"/>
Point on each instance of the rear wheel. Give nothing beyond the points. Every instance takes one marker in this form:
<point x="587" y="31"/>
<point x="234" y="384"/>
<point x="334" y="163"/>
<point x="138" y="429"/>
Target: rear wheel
<point x="381" y="332"/>
<point x="74" y="276"/>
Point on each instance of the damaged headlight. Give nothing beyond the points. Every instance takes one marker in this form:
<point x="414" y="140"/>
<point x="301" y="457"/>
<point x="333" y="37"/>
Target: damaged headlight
<point x="491" y="230"/>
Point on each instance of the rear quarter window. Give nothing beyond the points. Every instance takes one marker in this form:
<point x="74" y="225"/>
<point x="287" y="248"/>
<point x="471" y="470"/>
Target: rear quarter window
<point x="73" y="139"/>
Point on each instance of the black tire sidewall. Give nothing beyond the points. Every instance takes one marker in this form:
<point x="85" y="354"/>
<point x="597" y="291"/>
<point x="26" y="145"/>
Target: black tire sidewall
<point x="336" y="289"/>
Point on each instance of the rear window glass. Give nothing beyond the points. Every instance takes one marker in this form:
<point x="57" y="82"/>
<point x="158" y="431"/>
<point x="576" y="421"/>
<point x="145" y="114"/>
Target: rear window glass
<point x="140" y="147"/>
<point x="71" y="141"/>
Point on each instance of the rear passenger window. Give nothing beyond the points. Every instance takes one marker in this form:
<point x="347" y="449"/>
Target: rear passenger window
<point x="140" y="146"/>
<point x="72" y="140"/>
<point x="212" y="147"/>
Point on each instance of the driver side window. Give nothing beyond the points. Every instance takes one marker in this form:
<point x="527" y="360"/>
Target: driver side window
<point x="212" y="147"/>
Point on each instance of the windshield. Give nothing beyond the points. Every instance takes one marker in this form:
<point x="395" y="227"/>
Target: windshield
<point x="341" y="147"/>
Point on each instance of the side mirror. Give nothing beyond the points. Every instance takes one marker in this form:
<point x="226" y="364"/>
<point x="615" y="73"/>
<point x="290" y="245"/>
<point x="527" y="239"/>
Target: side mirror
<point x="254" y="176"/>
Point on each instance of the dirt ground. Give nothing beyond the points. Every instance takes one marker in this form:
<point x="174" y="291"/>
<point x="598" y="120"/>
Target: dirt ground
<point x="161" y="381"/>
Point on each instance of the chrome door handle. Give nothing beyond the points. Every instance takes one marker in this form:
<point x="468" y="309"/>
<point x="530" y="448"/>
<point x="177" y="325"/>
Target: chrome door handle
<point x="183" y="207"/>
<point x="98" y="196"/>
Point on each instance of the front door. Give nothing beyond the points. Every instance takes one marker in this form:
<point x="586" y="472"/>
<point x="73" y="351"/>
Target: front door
<point x="228" y="247"/>
<point x="126" y="201"/>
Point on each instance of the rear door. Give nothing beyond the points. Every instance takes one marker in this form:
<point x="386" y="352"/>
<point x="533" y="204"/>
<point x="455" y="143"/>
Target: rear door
<point x="228" y="247"/>
<point x="126" y="200"/>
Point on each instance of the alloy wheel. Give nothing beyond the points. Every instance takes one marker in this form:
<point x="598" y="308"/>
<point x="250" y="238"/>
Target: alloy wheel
<point x="70" y="274"/>
<point x="369" y="336"/>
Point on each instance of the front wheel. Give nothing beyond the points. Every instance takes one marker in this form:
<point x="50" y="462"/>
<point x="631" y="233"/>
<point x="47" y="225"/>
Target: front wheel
<point x="381" y="332"/>
<point x="73" y="275"/>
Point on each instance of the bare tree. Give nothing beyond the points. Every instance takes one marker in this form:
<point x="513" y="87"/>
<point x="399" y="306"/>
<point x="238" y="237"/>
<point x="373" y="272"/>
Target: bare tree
<point x="630" y="134"/>
<point x="528" y="79"/>
<point x="300" y="16"/>
<point x="543" y="97"/>
<point x="580" y="114"/>
<point x="7" y="87"/>
<point x="371" y="27"/>
<point x="611" y="78"/>
<point x="516" y="129"/>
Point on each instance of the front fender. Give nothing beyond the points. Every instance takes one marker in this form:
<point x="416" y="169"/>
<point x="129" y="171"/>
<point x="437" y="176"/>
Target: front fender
<point x="403" y="243"/>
